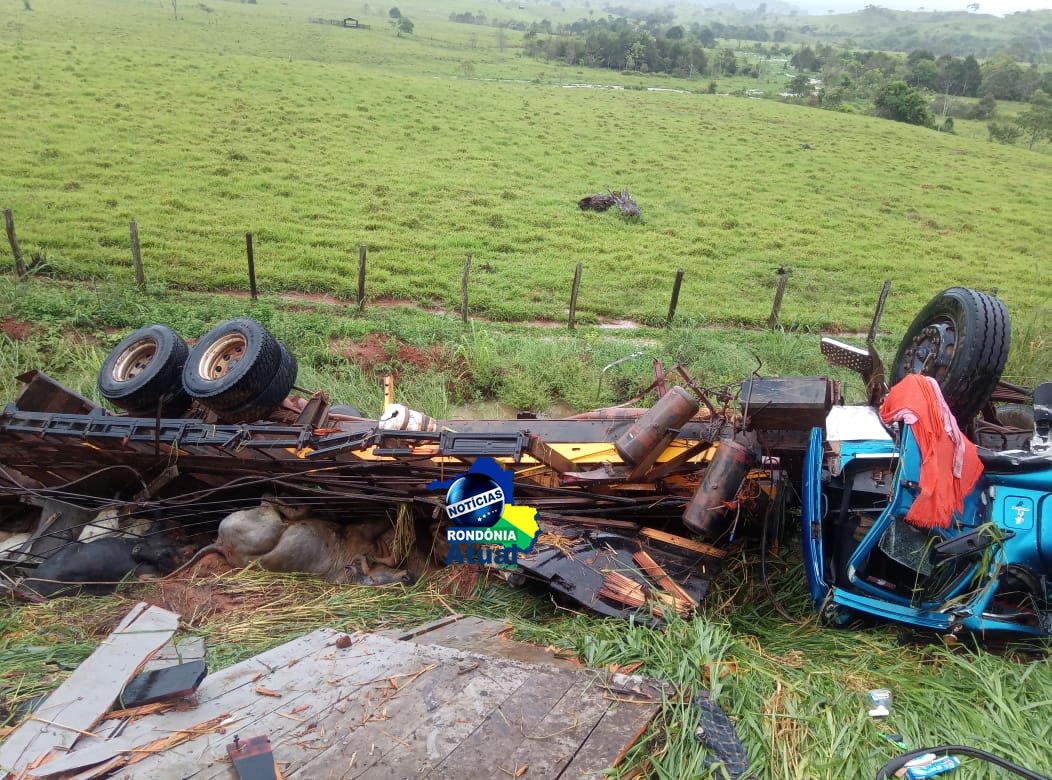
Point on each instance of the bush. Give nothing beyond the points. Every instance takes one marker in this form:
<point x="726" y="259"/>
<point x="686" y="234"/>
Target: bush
<point x="712" y="88"/>
<point x="1004" y="133"/>
<point x="947" y="126"/>
<point x="984" y="109"/>
<point x="901" y="102"/>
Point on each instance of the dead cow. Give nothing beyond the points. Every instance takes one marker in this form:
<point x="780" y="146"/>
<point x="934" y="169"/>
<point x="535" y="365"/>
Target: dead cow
<point x="283" y="540"/>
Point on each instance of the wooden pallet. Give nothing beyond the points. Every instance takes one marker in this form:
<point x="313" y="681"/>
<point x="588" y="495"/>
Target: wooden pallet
<point x="452" y="699"/>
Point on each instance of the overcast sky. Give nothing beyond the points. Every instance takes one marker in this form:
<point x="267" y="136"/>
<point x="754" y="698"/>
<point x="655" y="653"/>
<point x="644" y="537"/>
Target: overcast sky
<point x="999" y="7"/>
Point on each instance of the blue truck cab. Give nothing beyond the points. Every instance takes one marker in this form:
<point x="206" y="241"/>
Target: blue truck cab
<point x="987" y="573"/>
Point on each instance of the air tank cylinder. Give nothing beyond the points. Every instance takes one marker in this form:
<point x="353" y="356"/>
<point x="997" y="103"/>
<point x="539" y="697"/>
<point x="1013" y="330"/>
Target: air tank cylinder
<point x="706" y="513"/>
<point x="672" y="410"/>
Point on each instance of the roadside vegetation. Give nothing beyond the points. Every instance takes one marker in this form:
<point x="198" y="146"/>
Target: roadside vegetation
<point x="427" y="139"/>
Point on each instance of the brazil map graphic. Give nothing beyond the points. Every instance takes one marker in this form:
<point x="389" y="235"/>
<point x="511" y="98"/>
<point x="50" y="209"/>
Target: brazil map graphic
<point x="483" y="511"/>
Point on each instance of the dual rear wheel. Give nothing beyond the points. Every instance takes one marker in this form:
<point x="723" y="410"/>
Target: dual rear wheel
<point x="238" y="370"/>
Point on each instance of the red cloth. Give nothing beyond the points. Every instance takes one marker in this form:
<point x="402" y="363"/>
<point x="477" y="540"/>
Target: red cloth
<point x="950" y="466"/>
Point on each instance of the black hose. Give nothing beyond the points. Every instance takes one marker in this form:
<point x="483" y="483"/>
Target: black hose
<point x="898" y="762"/>
<point x="763" y="549"/>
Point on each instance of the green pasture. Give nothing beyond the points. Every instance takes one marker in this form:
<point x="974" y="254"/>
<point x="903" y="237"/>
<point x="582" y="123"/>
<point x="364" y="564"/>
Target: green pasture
<point x="317" y="138"/>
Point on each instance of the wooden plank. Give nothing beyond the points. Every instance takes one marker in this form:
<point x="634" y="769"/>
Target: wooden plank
<point x="651" y="568"/>
<point x="324" y="747"/>
<point x="318" y="684"/>
<point x="81" y="701"/>
<point x="550" y="746"/>
<point x="461" y="632"/>
<point x="227" y="691"/>
<point x="190" y="648"/>
<point x="620" y="727"/>
<point x="421" y="744"/>
<point x="424" y="728"/>
<point x="483" y="637"/>
<point x="384" y="708"/>
<point x="301" y="670"/>
<point x="680" y="460"/>
<point x="682" y="541"/>
<point x="409" y="633"/>
<point x="554" y="460"/>
<point x="501" y="733"/>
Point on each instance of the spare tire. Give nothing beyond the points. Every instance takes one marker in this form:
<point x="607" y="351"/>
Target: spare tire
<point x="272" y="395"/>
<point x="232" y="365"/>
<point x="961" y="338"/>
<point x="143" y="372"/>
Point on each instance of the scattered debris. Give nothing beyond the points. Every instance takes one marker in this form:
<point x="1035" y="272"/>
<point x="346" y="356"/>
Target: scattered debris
<point x="879" y="702"/>
<point x="429" y="698"/>
<point x="172" y="682"/>
<point x="252" y="475"/>
<point x="602" y="201"/>
<point x="253" y="759"/>
<point x="718" y="734"/>
<point x="75" y="708"/>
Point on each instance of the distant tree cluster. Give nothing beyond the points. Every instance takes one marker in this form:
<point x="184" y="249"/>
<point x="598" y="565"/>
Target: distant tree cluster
<point x="401" y="24"/>
<point x="1034" y="124"/>
<point x="627" y="48"/>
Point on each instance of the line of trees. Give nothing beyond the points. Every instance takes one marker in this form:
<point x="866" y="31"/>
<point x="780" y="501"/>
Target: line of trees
<point x="630" y="48"/>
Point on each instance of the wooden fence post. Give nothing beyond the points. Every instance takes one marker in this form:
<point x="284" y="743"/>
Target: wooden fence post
<point x="16" y="250"/>
<point x="140" y="277"/>
<point x="783" y="277"/>
<point x="251" y="266"/>
<point x="362" y="251"/>
<point x="573" y="294"/>
<point x="464" y="289"/>
<point x="875" y="324"/>
<point x="675" y="296"/>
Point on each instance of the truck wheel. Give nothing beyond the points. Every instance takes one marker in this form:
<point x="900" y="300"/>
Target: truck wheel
<point x="143" y="371"/>
<point x="232" y="365"/>
<point x="277" y="391"/>
<point x="961" y="338"/>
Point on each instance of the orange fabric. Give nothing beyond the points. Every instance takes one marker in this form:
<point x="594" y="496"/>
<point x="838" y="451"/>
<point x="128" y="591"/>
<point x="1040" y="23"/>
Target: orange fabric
<point x="941" y="493"/>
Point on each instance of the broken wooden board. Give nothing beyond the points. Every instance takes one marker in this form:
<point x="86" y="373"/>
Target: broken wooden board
<point x="482" y="635"/>
<point x="82" y="700"/>
<point x="372" y="706"/>
<point x="181" y="651"/>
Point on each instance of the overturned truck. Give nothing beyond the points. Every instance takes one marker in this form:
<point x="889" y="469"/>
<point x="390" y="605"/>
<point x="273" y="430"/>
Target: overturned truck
<point x="216" y="449"/>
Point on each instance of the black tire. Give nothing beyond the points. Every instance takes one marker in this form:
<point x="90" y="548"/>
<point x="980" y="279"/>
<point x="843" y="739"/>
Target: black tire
<point x="232" y="365"/>
<point x="271" y="397"/>
<point x="144" y="370"/>
<point x="961" y="338"/>
<point x="348" y="411"/>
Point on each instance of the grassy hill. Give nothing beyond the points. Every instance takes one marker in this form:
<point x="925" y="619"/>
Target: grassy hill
<point x="318" y="138"/>
<point x="1025" y="34"/>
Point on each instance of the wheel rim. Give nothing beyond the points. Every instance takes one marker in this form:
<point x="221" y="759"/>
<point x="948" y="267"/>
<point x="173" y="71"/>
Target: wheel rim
<point x="932" y="350"/>
<point x="221" y="358"/>
<point x="133" y="360"/>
